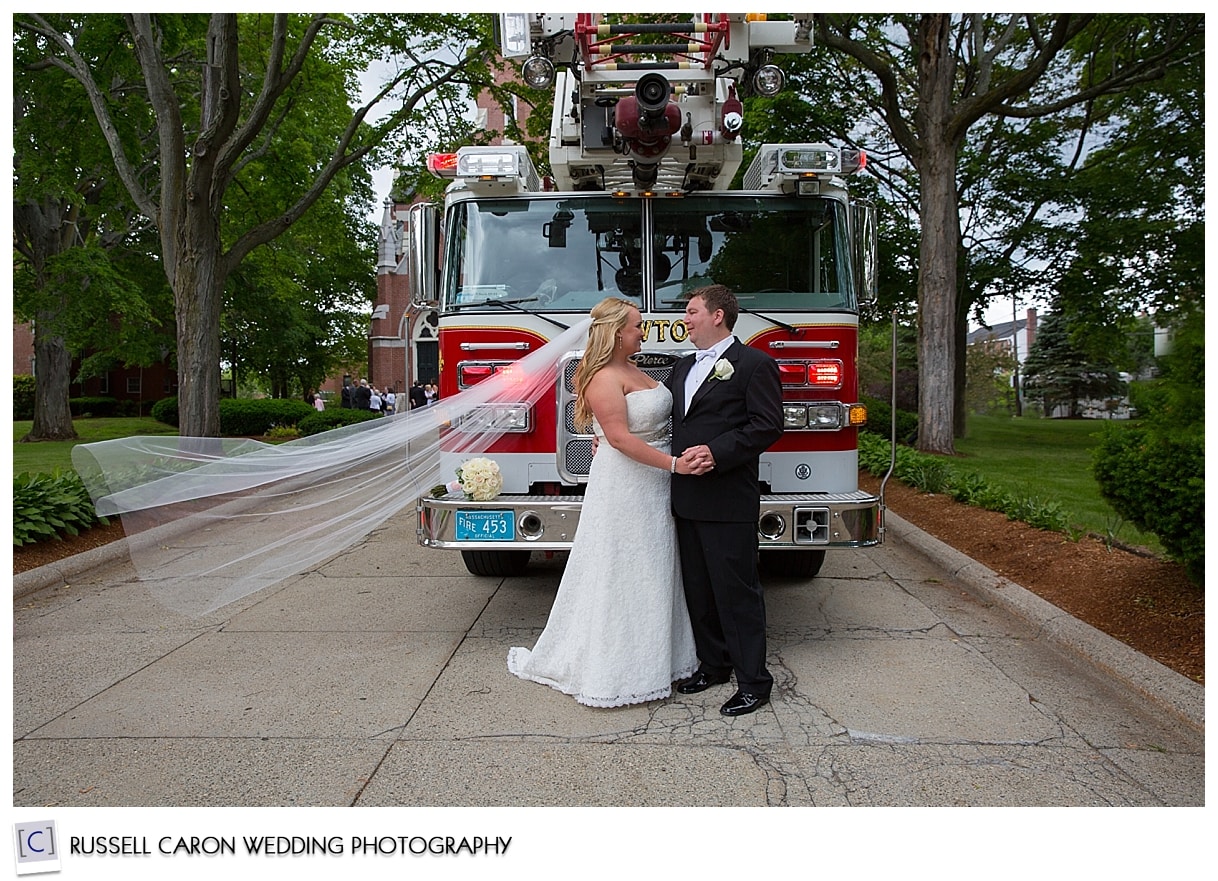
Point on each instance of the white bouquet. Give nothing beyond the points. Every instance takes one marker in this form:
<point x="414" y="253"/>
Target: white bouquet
<point x="479" y="479"/>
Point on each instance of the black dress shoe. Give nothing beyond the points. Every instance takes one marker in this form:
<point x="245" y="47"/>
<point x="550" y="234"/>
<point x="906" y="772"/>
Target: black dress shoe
<point x="742" y="702"/>
<point x="701" y="681"/>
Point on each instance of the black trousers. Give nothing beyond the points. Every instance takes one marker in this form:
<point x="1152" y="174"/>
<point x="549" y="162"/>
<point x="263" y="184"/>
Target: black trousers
<point x="725" y="600"/>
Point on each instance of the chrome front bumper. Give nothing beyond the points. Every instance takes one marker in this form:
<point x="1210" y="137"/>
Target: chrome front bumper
<point x="548" y="523"/>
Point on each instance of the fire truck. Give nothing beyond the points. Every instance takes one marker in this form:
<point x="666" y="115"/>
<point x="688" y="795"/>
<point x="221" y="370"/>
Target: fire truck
<point x="645" y="141"/>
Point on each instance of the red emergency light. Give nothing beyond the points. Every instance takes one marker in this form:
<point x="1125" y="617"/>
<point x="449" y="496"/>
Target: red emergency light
<point x="442" y="164"/>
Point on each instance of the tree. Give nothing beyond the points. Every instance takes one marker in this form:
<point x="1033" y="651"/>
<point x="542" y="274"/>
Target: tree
<point x="76" y="240"/>
<point x="1139" y="244"/>
<point x="1061" y="373"/>
<point x="988" y="388"/>
<point x="938" y="76"/>
<point x="221" y="87"/>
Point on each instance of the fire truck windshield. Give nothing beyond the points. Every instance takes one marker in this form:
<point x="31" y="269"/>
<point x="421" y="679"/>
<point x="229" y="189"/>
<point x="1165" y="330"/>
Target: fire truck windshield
<point x="546" y="254"/>
<point x="565" y="254"/>
<point x="775" y="253"/>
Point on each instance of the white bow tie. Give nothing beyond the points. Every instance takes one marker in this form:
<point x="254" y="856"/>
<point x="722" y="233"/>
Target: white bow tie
<point x="703" y="354"/>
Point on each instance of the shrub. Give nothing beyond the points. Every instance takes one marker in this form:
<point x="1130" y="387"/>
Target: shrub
<point x="244" y="417"/>
<point x="166" y="410"/>
<point x="879" y="420"/>
<point x="1155" y="479"/>
<point x="282" y="433"/>
<point x="23" y="396"/>
<point x="316" y="423"/>
<point x="97" y="407"/>
<point x="1153" y="473"/>
<point x="46" y="505"/>
<point x="253" y="418"/>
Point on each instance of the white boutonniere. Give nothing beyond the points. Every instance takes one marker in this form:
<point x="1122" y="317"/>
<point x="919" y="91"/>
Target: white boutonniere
<point x="723" y="370"/>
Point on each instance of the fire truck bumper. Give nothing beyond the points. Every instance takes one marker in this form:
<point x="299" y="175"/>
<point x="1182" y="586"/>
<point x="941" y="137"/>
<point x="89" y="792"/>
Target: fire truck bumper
<point x="820" y="520"/>
<point x="548" y="523"/>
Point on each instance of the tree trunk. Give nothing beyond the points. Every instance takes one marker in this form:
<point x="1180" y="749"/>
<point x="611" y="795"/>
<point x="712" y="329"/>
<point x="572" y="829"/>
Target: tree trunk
<point x="47" y="226"/>
<point x="960" y="417"/>
<point x="940" y="239"/>
<point x="53" y="369"/>
<point x="197" y="300"/>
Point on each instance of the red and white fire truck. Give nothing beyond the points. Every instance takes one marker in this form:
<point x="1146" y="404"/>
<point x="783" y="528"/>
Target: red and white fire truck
<point x="644" y="144"/>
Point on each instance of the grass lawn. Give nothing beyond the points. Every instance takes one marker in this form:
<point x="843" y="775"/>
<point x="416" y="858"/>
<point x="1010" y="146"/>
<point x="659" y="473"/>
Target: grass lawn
<point x="1048" y="459"/>
<point x="47" y="456"/>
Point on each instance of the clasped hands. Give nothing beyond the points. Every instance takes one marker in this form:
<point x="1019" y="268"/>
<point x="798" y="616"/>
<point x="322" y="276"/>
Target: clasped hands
<point x="697" y="460"/>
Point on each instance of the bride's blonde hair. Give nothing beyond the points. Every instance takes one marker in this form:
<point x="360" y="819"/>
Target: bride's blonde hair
<point x="609" y="316"/>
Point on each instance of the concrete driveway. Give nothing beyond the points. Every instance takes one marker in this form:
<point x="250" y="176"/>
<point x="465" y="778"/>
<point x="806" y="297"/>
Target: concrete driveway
<point x="905" y="677"/>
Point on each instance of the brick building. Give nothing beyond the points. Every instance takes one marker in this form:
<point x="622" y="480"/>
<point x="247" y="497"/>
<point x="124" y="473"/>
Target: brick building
<point x="139" y="386"/>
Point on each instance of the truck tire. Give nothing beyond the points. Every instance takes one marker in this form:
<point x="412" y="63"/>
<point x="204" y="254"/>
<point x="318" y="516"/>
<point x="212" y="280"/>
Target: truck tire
<point x="791" y="564"/>
<point x="496" y="563"/>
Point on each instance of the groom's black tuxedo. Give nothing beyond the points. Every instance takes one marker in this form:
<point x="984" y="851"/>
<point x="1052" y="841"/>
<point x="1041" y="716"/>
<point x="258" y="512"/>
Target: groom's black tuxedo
<point x="716" y="513"/>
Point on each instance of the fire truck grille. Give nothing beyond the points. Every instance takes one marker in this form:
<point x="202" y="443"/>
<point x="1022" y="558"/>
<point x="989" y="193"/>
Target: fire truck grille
<point x="578" y="456"/>
<point x="575" y="447"/>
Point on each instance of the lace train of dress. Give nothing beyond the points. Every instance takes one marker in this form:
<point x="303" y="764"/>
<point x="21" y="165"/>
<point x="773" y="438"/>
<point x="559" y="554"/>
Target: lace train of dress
<point x="619" y="631"/>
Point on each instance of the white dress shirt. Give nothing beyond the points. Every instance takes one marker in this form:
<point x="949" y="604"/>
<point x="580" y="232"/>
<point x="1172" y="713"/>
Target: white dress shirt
<point x="703" y="365"/>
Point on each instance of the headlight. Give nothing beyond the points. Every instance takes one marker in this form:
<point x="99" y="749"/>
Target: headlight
<point x="794" y="416"/>
<point x="495" y="417"/>
<point x="825" y="416"/>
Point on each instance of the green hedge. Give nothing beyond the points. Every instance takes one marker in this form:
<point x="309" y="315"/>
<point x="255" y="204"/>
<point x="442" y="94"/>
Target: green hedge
<point x="879" y="420"/>
<point x="23" y="397"/>
<point x="166" y="410"/>
<point x="325" y="420"/>
<point x="48" y="505"/>
<point x="96" y="406"/>
<point x="243" y="417"/>
<point x="1155" y="479"/>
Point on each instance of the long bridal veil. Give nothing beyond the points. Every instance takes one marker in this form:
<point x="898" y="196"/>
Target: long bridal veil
<point x="212" y="520"/>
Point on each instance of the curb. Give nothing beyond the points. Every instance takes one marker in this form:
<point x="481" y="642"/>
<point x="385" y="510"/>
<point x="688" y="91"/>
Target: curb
<point x="62" y="571"/>
<point x="1173" y="691"/>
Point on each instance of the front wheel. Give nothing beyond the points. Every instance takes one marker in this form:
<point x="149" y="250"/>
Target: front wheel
<point x="791" y="564"/>
<point x="496" y="563"/>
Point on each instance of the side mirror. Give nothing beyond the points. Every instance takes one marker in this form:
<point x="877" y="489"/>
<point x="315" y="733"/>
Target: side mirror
<point x="865" y="242"/>
<point x="422" y="230"/>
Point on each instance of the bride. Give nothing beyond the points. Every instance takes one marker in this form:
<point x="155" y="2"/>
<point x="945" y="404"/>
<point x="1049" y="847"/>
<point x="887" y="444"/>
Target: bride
<point x="619" y="631"/>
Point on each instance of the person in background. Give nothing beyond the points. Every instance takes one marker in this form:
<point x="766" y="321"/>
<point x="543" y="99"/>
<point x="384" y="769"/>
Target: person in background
<point x="362" y="395"/>
<point x="389" y="401"/>
<point x="374" y="401"/>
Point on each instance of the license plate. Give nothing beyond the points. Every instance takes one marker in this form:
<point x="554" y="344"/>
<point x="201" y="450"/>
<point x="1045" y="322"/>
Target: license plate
<point x="485" y="526"/>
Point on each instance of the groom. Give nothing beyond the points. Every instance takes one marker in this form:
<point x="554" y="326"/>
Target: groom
<point x="727" y="409"/>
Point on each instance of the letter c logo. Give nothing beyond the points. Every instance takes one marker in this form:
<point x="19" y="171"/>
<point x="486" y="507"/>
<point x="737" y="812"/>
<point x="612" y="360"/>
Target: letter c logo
<point x="29" y="841"/>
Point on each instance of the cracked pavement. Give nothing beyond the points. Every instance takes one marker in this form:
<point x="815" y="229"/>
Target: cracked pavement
<point x="379" y="678"/>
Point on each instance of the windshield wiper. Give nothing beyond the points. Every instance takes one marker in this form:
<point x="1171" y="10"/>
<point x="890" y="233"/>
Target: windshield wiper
<point x="774" y="321"/>
<point x="511" y="304"/>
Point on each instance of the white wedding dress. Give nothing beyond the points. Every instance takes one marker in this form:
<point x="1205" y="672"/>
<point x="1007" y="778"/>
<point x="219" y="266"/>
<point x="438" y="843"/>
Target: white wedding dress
<point x="619" y="631"/>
